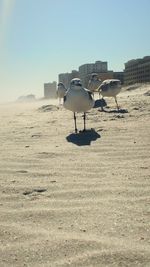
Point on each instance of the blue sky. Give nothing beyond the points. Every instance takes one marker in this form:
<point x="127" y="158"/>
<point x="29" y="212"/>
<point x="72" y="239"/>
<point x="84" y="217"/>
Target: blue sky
<point x="41" y="38"/>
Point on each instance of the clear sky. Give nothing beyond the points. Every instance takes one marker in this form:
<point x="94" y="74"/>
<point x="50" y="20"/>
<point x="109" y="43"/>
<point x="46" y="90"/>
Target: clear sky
<point x="41" y="38"/>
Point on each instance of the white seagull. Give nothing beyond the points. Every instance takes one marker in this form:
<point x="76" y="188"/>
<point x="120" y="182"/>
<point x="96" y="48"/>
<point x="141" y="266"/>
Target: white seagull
<point x="94" y="83"/>
<point x="78" y="99"/>
<point x="110" y="88"/>
<point x="61" y="90"/>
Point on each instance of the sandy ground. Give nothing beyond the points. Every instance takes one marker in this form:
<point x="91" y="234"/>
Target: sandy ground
<point x="75" y="200"/>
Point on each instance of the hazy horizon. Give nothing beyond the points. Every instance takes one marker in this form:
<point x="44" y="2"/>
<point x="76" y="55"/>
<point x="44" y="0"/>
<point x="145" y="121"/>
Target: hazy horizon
<point x="40" y="39"/>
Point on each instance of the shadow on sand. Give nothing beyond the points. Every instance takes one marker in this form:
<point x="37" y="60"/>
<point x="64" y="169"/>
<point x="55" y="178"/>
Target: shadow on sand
<point x="100" y="103"/>
<point x="83" y="138"/>
<point x="122" y="111"/>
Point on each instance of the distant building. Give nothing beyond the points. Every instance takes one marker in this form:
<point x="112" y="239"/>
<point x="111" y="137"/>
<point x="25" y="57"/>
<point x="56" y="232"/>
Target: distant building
<point x="137" y="70"/>
<point x="86" y="70"/>
<point x="119" y="75"/>
<point x="50" y="90"/>
<point x="65" y="78"/>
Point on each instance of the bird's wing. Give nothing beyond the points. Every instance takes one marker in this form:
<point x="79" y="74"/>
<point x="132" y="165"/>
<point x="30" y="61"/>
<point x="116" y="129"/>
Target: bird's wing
<point x="104" y="87"/>
<point x="89" y="93"/>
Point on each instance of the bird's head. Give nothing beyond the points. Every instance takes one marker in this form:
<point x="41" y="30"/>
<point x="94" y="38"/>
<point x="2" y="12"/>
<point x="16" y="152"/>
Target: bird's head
<point x="60" y="84"/>
<point x="94" y="76"/>
<point x="115" y="82"/>
<point x="75" y="82"/>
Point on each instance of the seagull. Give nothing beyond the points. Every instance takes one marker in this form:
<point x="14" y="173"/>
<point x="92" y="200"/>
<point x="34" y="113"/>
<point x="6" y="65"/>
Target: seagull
<point x="61" y="90"/>
<point x="110" y="88"/>
<point x="78" y="99"/>
<point x="94" y="83"/>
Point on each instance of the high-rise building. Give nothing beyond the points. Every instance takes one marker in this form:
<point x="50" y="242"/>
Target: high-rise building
<point x="137" y="70"/>
<point x="86" y="70"/>
<point x="119" y="75"/>
<point x="98" y="67"/>
<point x="50" y="90"/>
<point x="65" y="78"/>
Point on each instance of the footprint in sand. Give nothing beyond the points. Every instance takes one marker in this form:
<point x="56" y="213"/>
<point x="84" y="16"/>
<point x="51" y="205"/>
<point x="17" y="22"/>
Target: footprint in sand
<point x="47" y="155"/>
<point x="22" y="171"/>
<point x="47" y="108"/>
<point x="36" y="135"/>
<point x="39" y="190"/>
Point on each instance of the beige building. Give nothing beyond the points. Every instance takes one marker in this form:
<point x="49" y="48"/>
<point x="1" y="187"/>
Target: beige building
<point x="50" y="90"/>
<point x="98" y="67"/>
<point x="65" y="78"/>
<point x="137" y="70"/>
<point x="85" y="71"/>
<point x="119" y="75"/>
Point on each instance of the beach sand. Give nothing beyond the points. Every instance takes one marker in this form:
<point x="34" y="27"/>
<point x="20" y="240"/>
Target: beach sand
<point x="75" y="200"/>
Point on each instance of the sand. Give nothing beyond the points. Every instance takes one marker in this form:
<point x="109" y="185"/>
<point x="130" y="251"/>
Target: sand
<point x="76" y="200"/>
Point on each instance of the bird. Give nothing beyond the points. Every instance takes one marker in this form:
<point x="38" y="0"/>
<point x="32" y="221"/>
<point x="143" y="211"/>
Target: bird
<point x="110" y="88"/>
<point x="61" y="90"/>
<point x="94" y="83"/>
<point x="78" y="99"/>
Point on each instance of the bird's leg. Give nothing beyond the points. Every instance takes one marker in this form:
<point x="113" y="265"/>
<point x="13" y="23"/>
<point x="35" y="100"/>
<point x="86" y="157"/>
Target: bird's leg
<point x="84" y="117"/>
<point x="75" y="122"/>
<point x="102" y="100"/>
<point x="116" y="103"/>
